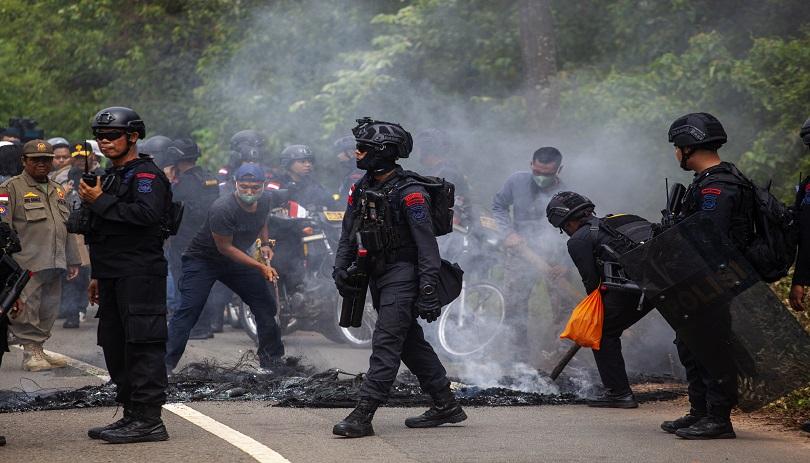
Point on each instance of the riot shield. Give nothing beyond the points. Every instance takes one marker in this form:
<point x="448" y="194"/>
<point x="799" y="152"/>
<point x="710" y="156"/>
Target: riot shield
<point x="701" y="284"/>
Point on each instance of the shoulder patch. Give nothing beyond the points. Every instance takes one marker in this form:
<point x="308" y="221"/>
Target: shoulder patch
<point x="211" y="182"/>
<point x="4" y="198"/>
<point x="414" y="199"/>
<point x="711" y="191"/>
<point x="145" y="185"/>
<point x="148" y="175"/>
<point x="3" y="210"/>
<point x="418" y="213"/>
<point x="709" y="202"/>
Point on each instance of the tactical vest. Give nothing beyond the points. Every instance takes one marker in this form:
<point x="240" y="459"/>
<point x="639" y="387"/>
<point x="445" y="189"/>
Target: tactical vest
<point x="742" y="219"/>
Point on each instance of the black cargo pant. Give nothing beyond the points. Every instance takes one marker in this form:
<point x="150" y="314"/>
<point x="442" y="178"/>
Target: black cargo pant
<point x="621" y="312"/>
<point x="132" y="331"/>
<point x="712" y="389"/>
<point x="399" y="337"/>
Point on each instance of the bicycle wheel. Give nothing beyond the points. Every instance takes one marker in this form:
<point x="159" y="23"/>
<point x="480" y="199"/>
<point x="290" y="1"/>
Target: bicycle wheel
<point x="473" y="320"/>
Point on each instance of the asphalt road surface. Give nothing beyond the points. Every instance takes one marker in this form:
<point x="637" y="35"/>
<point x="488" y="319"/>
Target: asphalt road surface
<point x="254" y="431"/>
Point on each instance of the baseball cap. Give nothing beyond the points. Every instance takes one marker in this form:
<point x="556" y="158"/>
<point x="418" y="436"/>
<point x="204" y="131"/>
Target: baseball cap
<point x="248" y="170"/>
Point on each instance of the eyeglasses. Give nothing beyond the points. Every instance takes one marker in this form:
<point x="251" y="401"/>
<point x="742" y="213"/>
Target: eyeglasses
<point x="41" y="160"/>
<point x="109" y="136"/>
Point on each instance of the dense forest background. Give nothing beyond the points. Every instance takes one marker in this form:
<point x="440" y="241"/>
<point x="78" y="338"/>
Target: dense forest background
<point x="601" y="79"/>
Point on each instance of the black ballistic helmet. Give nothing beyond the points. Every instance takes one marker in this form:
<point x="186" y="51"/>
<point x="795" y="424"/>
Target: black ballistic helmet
<point x="245" y="138"/>
<point x="155" y="145"/>
<point x="434" y="141"/>
<point x="59" y="142"/>
<point x="697" y="129"/>
<point x="296" y="153"/>
<point x="119" y="117"/>
<point x="381" y="135"/>
<point x="567" y="205"/>
<point x="344" y="144"/>
<point x="183" y="149"/>
<point x="805" y="132"/>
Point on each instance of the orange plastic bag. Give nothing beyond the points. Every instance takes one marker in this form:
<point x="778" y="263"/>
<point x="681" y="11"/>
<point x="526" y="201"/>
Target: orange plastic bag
<point x="585" y="325"/>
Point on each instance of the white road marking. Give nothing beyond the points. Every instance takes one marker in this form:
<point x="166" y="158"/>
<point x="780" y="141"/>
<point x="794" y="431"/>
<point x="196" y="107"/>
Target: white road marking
<point x="254" y="448"/>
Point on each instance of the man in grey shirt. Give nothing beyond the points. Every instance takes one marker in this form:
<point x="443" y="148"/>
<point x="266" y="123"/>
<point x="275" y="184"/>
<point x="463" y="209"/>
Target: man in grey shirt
<point x="527" y="193"/>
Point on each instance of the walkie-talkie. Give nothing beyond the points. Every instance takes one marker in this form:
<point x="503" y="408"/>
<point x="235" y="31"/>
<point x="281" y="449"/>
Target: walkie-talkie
<point x="88" y="177"/>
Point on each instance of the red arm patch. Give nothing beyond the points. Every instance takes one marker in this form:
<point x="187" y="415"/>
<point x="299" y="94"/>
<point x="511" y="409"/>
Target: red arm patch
<point x="414" y="199"/>
<point x="711" y="191"/>
<point x="145" y="175"/>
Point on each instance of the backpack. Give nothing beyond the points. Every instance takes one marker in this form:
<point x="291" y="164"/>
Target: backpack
<point x="772" y="251"/>
<point x="628" y="231"/>
<point x="442" y="199"/>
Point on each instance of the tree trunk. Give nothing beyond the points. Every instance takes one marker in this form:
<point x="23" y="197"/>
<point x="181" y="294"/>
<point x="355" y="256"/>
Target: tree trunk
<point x="539" y="50"/>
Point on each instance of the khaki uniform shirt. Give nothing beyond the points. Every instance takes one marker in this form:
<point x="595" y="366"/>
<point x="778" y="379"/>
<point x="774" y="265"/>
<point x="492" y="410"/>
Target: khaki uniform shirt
<point x="39" y="220"/>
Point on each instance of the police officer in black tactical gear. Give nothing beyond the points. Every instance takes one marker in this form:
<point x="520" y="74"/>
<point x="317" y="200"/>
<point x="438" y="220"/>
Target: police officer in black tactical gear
<point x="717" y="191"/>
<point x="403" y="277"/>
<point x="129" y="207"/>
<point x="343" y="148"/>
<point x="197" y="189"/>
<point x="156" y="146"/>
<point x="594" y="244"/>
<point x="245" y="146"/>
<point x="801" y="273"/>
<point x="298" y="162"/>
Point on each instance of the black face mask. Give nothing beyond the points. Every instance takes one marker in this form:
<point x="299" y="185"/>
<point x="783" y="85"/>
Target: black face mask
<point x="684" y="158"/>
<point x="376" y="163"/>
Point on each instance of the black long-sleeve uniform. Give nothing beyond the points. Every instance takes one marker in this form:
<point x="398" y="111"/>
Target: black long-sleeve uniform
<point x="801" y="273"/>
<point x="126" y="253"/>
<point x="412" y="263"/>
<point x="720" y="193"/>
<point x="621" y="307"/>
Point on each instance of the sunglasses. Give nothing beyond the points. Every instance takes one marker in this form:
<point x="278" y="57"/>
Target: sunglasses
<point x="109" y="136"/>
<point x="363" y="148"/>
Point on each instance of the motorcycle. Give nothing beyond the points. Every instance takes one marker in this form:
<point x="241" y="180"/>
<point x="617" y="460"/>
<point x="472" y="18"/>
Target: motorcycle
<point x="315" y="305"/>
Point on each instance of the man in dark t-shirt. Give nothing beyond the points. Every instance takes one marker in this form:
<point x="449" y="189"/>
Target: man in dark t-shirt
<point x="219" y="252"/>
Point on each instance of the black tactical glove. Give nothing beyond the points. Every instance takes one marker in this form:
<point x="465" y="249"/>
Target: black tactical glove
<point x="346" y="285"/>
<point x="427" y="304"/>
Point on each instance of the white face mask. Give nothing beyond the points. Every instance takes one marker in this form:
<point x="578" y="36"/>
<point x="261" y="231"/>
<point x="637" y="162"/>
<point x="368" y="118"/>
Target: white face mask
<point x="544" y="181"/>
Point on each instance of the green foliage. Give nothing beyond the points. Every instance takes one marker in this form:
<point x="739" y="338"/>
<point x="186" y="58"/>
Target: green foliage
<point x="301" y="71"/>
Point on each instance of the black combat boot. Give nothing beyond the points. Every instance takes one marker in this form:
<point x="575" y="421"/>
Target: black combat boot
<point x="683" y="422"/>
<point x="145" y="426"/>
<point x="709" y="427"/>
<point x="445" y="409"/>
<point x="358" y="423"/>
<point x="609" y="400"/>
<point x="95" y="433"/>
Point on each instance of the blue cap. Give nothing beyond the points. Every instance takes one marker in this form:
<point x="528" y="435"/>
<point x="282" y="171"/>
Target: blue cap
<point x="248" y="170"/>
